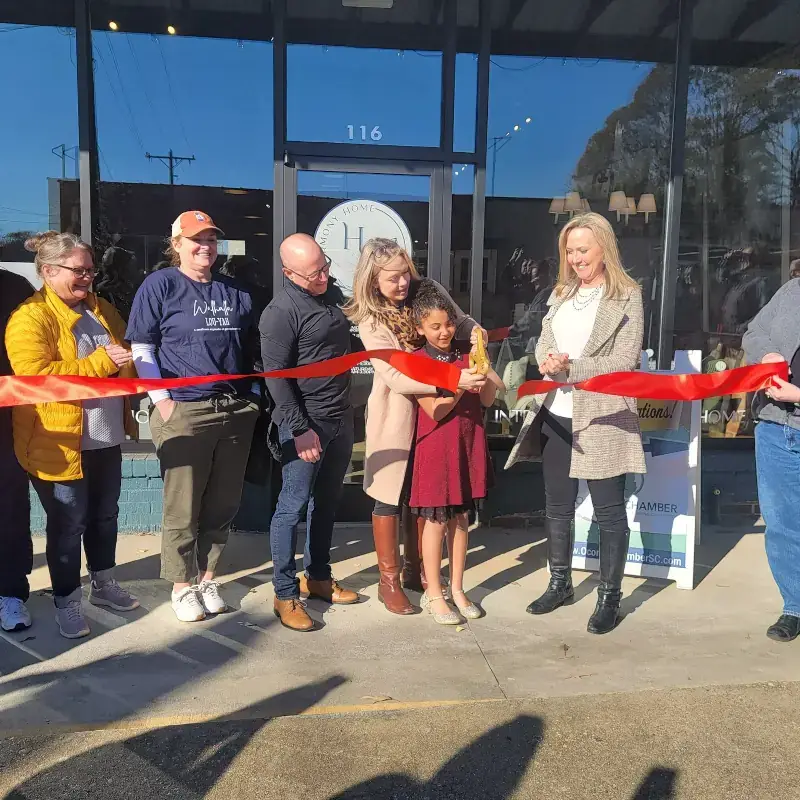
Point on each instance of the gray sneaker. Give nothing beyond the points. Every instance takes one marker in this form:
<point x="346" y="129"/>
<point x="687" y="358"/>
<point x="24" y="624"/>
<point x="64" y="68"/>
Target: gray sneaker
<point x="110" y="594"/>
<point x="69" y="616"/>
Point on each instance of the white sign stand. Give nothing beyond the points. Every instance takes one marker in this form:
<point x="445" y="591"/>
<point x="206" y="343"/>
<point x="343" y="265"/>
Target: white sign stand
<point x="663" y="505"/>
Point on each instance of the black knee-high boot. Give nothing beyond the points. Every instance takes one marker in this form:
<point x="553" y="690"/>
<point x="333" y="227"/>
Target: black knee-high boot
<point x="560" y="541"/>
<point x="613" y="555"/>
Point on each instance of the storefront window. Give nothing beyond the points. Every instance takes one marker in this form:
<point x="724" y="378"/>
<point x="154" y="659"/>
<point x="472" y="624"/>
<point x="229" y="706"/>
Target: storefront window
<point x="182" y="123"/>
<point x="38" y="139"/>
<point x="358" y="95"/>
<point x="567" y="135"/>
<point x="740" y="221"/>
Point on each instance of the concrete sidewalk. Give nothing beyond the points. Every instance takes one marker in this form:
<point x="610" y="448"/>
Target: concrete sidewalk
<point x="146" y="667"/>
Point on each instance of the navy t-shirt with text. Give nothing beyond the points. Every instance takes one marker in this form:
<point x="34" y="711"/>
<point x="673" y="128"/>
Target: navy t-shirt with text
<point x="197" y="329"/>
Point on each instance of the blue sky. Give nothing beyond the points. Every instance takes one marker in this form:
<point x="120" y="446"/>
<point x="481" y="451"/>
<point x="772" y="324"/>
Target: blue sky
<point x="213" y="99"/>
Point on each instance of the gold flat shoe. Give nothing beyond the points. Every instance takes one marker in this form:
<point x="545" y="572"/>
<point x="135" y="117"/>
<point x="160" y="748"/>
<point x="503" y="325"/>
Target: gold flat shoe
<point x="450" y="618"/>
<point x="470" y="611"/>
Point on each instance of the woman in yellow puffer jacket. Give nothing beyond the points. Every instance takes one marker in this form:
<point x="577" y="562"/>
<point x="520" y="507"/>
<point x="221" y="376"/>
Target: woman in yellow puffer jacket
<point x="71" y="450"/>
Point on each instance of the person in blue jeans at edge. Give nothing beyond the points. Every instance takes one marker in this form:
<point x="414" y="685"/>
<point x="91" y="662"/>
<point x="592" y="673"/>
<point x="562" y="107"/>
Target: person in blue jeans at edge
<point x="774" y="336"/>
<point x="188" y="321"/>
<point x="303" y="324"/>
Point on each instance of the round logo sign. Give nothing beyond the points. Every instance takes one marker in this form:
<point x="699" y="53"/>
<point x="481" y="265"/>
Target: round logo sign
<point x="345" y="229"/>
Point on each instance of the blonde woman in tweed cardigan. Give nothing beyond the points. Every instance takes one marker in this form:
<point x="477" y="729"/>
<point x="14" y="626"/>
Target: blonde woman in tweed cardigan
<point x="594" y="326"/>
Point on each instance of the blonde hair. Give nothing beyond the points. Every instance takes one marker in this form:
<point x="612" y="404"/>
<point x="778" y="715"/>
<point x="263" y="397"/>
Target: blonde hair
<point x="367" y="301"/>
<point x="617" y="279"/>
<point x="52" y="247"/>
<point x="170" y="252"/>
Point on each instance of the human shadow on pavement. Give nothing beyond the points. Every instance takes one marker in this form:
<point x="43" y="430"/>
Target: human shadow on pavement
<point x="489" y="768"/>
<point x="658" y="785"/>
<point x="179" y="761"/>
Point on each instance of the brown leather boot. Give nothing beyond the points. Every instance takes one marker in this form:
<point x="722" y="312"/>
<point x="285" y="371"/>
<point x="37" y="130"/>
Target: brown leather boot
<point x="413" y="572"/>
<point x="292" y="615"/>
<point x="385" y="532"/>
<point x="330" y="591"/>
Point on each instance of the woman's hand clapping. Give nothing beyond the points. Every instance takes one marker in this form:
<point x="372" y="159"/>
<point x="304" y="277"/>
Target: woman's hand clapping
<point x="554" y="364"/>
<point x="118" y="354"/>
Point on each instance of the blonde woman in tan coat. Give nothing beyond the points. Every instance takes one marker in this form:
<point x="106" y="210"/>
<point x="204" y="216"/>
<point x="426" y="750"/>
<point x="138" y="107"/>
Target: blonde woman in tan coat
<point x="594" y="326"/>
<point x="383" y="287"/>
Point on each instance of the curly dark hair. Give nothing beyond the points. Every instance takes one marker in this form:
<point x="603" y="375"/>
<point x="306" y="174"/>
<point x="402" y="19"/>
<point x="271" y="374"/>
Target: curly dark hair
<point x="428" y="298"/>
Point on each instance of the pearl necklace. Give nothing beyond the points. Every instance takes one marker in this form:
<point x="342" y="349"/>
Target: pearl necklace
<point x="580" y="303"/>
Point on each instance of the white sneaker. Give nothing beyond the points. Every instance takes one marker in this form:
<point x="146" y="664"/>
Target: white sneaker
<point x="14" y="615"/>
<point x="211" y="598"/>
<point x="187" y="606"/>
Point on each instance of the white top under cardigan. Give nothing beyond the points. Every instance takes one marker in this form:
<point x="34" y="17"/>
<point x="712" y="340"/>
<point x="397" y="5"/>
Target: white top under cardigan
<point x="572" y="326"/>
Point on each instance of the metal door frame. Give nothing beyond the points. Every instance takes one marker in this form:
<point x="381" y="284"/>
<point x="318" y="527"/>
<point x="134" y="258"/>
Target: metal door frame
<point x="439" y="201"/>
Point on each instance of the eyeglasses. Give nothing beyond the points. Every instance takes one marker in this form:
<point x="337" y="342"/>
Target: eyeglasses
<point x="324" y="270"/>
<point x="78" y="271"/>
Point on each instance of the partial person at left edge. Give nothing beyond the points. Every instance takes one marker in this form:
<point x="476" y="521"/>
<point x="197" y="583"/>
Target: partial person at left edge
<point x="16" y="545"/>
<point x="188" y="321"/>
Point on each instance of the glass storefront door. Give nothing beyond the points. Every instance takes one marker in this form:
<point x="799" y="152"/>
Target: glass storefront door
<point x="345" y="203"/>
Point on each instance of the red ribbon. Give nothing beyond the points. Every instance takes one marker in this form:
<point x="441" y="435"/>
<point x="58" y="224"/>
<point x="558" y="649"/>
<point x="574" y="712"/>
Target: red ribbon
<point x="18" y="390"/>
<point x="647" y="386"/>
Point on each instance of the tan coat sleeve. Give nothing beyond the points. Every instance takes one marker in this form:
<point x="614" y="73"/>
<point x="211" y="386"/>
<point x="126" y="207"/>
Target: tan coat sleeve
<point x="376" y="337"/>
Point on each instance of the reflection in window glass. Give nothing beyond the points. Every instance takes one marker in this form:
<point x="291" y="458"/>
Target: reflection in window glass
<point x="466" y="95"/>
<point x="458" y="276"/>
<point x="740" y="225"/>
<point x="567" y="135"/>
<point x="363" y="96"/>
<point x="182" y="123"/>
<point x="38" y="139"/>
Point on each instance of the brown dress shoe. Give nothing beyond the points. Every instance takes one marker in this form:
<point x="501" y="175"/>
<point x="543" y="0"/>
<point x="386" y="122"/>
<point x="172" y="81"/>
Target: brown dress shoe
<point x="385" y="530"/>
<point x="330" y="591"/>
<point x="292" y="615"/>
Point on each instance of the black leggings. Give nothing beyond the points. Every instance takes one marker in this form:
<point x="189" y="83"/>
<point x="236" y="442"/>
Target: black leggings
<point x="561" y="491"/>
<point x="386" y="510"/>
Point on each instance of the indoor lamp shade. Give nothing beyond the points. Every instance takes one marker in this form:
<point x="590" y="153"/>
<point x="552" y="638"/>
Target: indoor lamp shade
<point x="647" y="205"/>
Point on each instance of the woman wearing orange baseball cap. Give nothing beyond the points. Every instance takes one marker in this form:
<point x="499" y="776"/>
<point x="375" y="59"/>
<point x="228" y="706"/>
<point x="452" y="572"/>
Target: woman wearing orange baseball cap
<point x="187" y="321"/>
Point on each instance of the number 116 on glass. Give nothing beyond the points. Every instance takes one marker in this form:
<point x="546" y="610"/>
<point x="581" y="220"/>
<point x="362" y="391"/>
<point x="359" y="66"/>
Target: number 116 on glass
<point x="375" y="134"/>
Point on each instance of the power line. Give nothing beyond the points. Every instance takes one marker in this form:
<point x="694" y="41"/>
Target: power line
<point x="122" y="86"/>
<point x="172" y="93"/>
<point x="132" y="123"/>
<point x="140" y="72"/>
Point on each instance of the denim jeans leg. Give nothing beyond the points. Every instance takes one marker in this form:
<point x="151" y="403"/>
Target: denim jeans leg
<point x="102" y="470"/>
<point x="777" y="467"/>
<point x="325" y="496"/>
<point x="67" y="507"/>
<point x="298" y="480"/>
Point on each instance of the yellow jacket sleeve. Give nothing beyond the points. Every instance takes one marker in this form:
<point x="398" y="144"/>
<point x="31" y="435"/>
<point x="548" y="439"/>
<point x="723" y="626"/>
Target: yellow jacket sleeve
<point x="32" y="348"/>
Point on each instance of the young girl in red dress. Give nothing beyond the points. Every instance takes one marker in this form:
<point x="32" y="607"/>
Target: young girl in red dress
<point x="452" y="468"/>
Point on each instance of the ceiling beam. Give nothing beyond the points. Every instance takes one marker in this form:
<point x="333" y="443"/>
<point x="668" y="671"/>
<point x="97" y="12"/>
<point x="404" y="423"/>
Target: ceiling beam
<point x="515" y="8"/>
<point x="595" y="10"/>
<point x="753" y="12"/>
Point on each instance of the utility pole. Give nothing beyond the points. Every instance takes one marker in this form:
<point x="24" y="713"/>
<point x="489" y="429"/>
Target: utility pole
<point x="61" y="151"/>
<point x="170" y="161"/>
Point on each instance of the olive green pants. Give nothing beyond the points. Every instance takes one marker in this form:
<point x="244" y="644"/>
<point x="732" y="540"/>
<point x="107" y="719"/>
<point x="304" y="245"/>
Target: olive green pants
<point x="203" y="448"/>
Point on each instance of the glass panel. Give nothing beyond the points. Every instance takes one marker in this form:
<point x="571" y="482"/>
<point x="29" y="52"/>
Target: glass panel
<point x="457" y="279"/>
<point x="39" y="140"/>
<point x="465" y="102"/>
<point x="607" y="130"/>
<point x="342" y="211"/>
<point x="740" y="219"/>
<point x="363" y="96"/>
<point x="182" y="123"/>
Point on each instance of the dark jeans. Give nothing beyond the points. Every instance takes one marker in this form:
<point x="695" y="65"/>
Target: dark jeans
<point x="16" y="546"/>
<point x="561" y="491"/>
<point x="83" y="509"/>
<point x="316" y="487"/>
